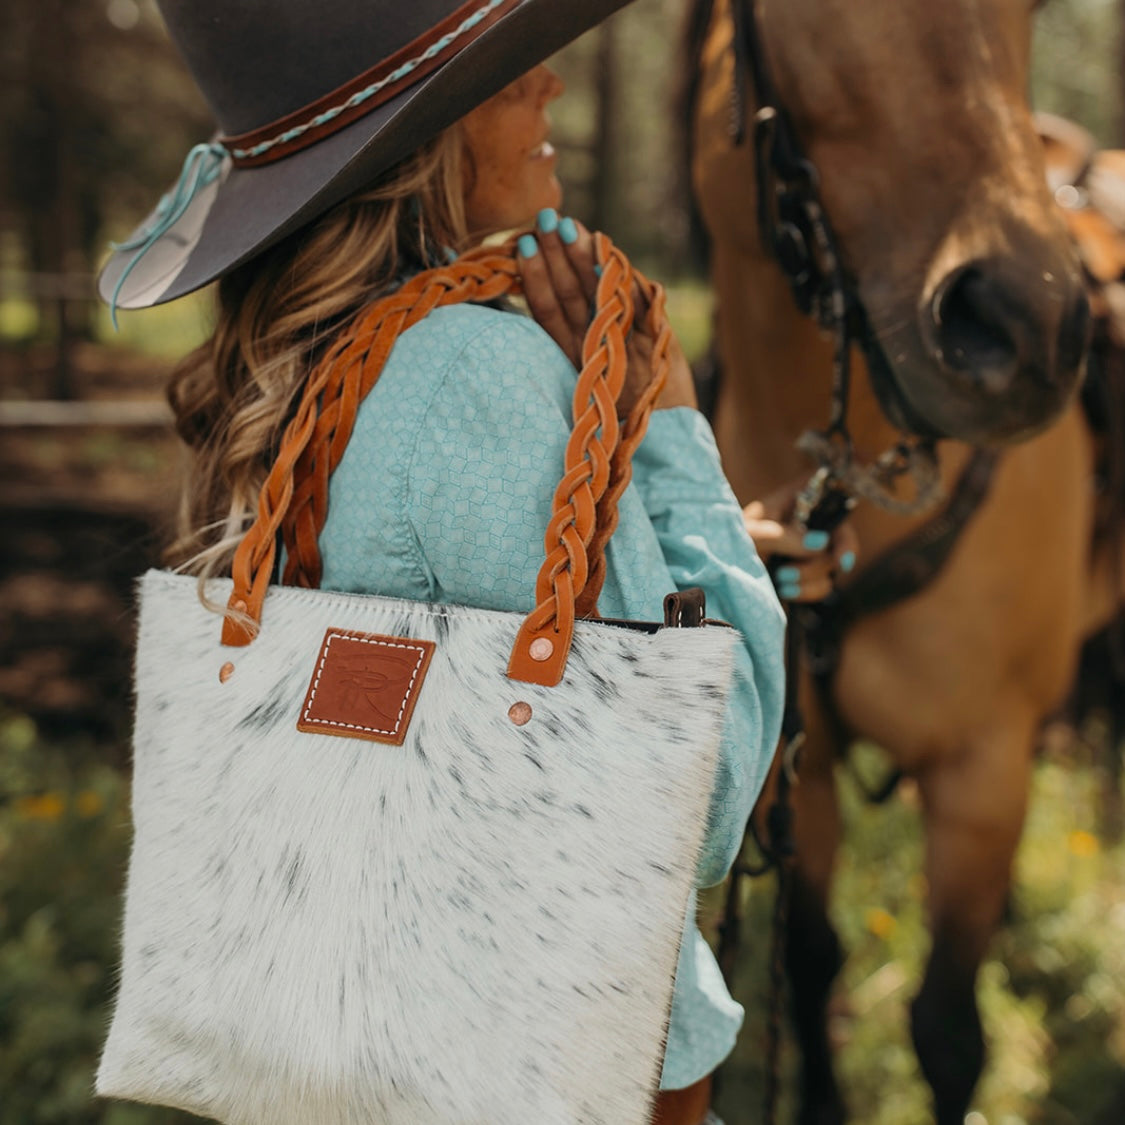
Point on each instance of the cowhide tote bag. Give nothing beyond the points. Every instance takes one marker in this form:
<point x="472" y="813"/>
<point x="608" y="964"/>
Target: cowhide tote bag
<point x="409" y="864"/>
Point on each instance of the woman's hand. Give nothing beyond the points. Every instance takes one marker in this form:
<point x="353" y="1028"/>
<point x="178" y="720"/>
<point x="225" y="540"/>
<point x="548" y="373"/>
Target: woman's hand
<point x="560" y="283"/>
<point x="805" y="564"/>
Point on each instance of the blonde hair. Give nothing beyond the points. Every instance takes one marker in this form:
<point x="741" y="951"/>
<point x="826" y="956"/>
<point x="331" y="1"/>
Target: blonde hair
<point x="233" y="396"/>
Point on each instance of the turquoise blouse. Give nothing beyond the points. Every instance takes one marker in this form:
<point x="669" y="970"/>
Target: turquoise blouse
<point x="444" y="493"/>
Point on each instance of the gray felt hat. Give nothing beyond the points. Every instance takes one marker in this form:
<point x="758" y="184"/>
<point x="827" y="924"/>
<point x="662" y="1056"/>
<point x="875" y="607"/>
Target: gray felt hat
<point x="313" y="99"/>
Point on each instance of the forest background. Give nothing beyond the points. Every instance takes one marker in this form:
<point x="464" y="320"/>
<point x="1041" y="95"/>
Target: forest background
<point x="96" y="114"/>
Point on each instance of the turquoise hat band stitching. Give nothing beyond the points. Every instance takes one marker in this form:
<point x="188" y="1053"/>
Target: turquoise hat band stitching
<point x="358" y="98"/>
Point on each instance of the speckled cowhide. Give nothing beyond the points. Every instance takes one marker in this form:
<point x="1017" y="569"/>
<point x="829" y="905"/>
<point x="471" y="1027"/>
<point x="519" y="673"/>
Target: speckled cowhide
<point x="478" y="926"/>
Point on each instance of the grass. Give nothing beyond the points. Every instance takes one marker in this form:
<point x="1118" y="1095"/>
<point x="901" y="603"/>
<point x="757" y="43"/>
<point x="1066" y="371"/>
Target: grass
<point x="164" y="332"/>
<point x="690" y="305"/>
<point x="1052" y="994"/>
<point x="170" y="331"/>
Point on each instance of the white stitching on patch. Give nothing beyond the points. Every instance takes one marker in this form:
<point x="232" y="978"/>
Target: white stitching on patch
<point x="305" y="718"/>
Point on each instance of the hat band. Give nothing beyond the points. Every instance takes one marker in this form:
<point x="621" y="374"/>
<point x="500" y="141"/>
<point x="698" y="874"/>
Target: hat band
<point x="353" y="100"/>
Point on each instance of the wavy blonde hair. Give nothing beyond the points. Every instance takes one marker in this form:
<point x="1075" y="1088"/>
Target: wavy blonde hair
<point x="233" y="396"/>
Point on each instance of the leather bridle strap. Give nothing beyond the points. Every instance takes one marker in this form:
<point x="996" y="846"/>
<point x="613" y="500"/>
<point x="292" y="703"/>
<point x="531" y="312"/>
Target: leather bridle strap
<point x="791" y="220"/>
<point x="796" y="231"/>
<point x="750" y="65"/>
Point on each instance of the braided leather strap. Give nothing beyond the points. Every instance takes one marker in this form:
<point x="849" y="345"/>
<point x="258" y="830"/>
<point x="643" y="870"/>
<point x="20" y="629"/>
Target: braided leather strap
<point x="597" y="463"/>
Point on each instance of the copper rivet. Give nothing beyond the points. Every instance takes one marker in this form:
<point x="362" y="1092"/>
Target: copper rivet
<point x="519" y="713"/>
<point x="239" y="606"/>
<point x="225" y="672"/>
<point x="541" y="648"/>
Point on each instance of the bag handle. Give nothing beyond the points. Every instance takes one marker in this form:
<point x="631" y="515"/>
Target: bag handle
<point x="597" y="463"/>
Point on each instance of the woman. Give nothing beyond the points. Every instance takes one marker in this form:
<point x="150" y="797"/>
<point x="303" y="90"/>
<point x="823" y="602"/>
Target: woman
<point x="445" y="487"/>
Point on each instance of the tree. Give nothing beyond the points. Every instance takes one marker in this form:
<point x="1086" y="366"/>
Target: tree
<point x="96" y="111"/>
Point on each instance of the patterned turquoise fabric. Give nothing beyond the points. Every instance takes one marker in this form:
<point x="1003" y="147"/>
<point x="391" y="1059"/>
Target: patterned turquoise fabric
<point x="444" y="493"/>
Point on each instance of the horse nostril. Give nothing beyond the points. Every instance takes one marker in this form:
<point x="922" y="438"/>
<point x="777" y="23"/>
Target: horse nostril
<point x="977" y="327"/>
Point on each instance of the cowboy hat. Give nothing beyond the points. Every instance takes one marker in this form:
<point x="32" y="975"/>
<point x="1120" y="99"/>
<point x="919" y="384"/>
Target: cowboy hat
<point x="314" y="100"/>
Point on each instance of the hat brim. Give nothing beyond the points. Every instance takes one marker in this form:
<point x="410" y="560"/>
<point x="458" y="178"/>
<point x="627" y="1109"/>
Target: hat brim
<point x="246" y="210"/>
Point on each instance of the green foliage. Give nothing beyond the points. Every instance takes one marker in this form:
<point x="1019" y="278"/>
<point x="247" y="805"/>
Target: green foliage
<point x="63" y="846"/>
<point x="1052" y="994"/>
<point x="1076" y="69"/>
<point x="165" y="331"/>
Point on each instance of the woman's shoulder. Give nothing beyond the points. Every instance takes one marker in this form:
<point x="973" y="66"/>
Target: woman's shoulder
<point x="479" y="350"/>
<point x="453" y="328"/>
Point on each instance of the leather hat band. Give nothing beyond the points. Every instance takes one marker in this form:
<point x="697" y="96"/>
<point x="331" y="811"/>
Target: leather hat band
<point x="348" y="103"/>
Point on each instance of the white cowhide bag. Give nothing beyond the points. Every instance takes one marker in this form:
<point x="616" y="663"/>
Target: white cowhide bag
<point x="478" y="926"/>
<point x="381" y="878"/>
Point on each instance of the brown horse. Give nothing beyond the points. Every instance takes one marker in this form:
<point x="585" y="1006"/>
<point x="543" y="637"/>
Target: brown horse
<point x="930" y="172"/>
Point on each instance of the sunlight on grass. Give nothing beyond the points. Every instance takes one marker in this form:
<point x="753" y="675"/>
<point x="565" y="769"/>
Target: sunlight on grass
<point x="166" y="331"/>
<point x="690" y="304"/>
<point x="1052" y="995"/>
<point x="19" y="320"/>
<point x="172" y="330"/>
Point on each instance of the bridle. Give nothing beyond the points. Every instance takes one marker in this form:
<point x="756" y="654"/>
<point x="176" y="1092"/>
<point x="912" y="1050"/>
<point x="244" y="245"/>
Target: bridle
<point x="796" y="231"/>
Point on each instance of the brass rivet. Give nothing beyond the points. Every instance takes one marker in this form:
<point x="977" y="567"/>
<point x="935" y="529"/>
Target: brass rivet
<point x="519" y="713"/>
<point x="541" y="649"/>
<point x="238" y="605"/>
<point x="225" y="672"/>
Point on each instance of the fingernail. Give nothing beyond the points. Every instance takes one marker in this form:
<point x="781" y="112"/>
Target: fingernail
<point x="527" y="246"/>
<point x="597" y="270"/>
<point x="788" y="574"/>
<point x="789" y="591"/>
<point x="847" y="561"/>
<point x="568" y="232"/>
<point x="548" y="220"/>
<point x="815" y="540"/>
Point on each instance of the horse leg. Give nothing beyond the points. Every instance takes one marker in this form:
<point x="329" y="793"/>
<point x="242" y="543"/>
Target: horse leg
<point x="974" y="807"/>
<point x="813" y="953"/>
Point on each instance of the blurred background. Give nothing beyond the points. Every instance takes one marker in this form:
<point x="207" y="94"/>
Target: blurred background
<point x="96" y="114"/>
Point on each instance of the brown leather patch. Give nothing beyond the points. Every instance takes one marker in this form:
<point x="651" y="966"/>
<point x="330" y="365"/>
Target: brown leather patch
<point x="365" y="686"/>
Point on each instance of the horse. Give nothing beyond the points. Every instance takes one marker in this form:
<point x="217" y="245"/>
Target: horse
<point x="917" y="146"/>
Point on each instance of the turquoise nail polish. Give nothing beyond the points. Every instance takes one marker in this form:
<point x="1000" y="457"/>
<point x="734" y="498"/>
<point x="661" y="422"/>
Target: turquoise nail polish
<point x="548" y="220"/>
<point x="527" y="246"/>
<point x="847" y="562"/>
<point x="816" y="540"/>
<point x="788" y="574"/>
<point x="568" y="232"/>
<point x="789" y="591"/>
<point x="597" y="271"/>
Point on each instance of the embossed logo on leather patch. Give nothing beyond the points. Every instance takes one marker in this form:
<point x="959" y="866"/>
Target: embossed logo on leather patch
<point x="365" y="686"/>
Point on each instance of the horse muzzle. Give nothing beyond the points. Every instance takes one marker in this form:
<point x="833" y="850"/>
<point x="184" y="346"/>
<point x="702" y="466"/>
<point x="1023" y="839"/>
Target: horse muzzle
<point x="993" y="356"/>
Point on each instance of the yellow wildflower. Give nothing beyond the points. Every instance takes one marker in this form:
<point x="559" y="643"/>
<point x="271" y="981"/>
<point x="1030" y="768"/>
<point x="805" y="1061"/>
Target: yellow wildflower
<point x="880" y="923"/>
<point x="44" y="806"/>
<point x="89" y="803"/>
<point x="1082" y="843"/>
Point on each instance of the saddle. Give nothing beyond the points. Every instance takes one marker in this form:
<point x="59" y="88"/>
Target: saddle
<point x="1088" y="185"/>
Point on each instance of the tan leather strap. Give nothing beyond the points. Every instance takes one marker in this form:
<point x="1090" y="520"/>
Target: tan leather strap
<point x="659" y="329"/>
<point x="596" y="470"/>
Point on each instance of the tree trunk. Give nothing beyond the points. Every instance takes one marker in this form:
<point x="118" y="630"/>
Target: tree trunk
<point x="607" y="144"/>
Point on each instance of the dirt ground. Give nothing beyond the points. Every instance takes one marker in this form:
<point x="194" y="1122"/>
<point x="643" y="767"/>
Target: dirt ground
<point x="83" y="511"/>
